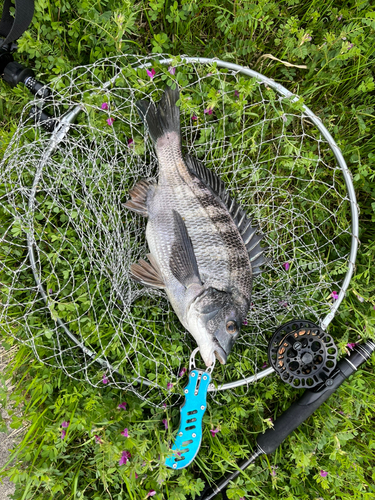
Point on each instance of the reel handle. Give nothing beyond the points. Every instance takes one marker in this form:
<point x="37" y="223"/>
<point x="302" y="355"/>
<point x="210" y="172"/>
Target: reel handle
<point x="311" y="399"/>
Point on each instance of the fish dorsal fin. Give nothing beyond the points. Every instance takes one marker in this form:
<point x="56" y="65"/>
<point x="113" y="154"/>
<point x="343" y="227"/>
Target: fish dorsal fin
<point x="209" y="178"/>
<point x="139" y="193"/>
<point x="242" y="221"/>
<point x="147" y="273"/>
<point x="183" y="262"/>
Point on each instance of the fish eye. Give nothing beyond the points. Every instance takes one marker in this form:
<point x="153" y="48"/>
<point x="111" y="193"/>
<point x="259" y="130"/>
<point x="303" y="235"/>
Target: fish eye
<point x="231" y="327"/>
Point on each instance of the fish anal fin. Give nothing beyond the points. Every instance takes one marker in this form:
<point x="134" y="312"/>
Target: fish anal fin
<point x="147" y="273"/>
<point x="183" y="262"/>
<point x="139" y="193"/>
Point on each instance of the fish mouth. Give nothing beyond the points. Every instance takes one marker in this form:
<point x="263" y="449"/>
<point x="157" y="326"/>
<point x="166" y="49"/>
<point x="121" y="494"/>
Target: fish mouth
<point x="221" y="355"/>
<point x="218" y="353"/>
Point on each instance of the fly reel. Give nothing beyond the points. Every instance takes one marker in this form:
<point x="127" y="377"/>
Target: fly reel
<point x="302" y="354"/>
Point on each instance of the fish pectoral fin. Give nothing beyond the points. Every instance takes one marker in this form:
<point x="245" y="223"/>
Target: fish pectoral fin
<point x="183" y="262"/>
<point x="139" y="194"/>
<point x="147" y="273"/>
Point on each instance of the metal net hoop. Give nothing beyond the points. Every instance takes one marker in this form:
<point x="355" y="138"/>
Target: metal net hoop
<point x="69" y="242"/>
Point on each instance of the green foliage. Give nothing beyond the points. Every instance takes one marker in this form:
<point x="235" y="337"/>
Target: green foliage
<point x="335" y="41"/>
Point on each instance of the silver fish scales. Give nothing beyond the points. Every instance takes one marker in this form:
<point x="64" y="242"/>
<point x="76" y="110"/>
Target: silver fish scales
<point x="204" y="250"/>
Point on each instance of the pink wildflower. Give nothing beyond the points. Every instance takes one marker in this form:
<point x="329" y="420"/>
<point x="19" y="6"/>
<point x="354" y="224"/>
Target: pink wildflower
<point x="122" y="406"/>
<point x="104" y="106"/>
<point x="264" y="365"/>
<point x="286" y="266"/>
<point x="63" y="434"/>
<point x="172" y="70"/>
<point x="125" y="433"/>
<point x="236" y="93"/>
<point x="323" y="473"/>
<point x="151" y="493"/>
<point x="105" y="380"/>
<point x="334" y="295"/>
<point x="194" y="117"/>
<point x="169" y="386"/>
<point x="165" y="422"/>
<point x="208" y="111"/>
<point x="98" y="439"/>
<point x="65" y="424"/>
<point x="244" y="322"/>
<point x="151" y="73"/>
<point x="182" y="372"/>
<point x="110" y="121"/>
<point x="164" y="405"/>
<point x="130" y="141"/>
<point x="351" y="345"/>
<point x="126" y="455"/>
<point x="214" y="432"/>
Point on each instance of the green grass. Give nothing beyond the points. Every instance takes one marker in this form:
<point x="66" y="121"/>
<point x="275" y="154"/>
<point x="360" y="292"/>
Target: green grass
<point x="338" y="85"/>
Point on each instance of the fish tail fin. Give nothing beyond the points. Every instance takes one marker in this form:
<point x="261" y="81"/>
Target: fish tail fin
<point x="163" y="119"/>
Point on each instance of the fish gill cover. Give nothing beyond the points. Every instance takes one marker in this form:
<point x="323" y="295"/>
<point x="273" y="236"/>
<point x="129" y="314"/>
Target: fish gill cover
<point x="70" y="206"/>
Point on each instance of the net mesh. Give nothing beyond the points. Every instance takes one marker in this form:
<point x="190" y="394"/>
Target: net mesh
<point x="67" y="204"/>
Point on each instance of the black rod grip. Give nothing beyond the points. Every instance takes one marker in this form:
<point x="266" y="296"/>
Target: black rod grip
<point x="311" y="399"/>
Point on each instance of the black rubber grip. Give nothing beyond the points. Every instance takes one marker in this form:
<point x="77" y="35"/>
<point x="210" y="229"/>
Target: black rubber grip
<point x="299" y="411"/>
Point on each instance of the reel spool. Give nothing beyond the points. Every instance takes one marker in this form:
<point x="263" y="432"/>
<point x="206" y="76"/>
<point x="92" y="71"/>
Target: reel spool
<point x="302" y="354"/>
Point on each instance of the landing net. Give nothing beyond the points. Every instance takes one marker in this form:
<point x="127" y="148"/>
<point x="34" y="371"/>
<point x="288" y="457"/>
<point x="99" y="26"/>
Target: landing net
<point x="67" y="242"/>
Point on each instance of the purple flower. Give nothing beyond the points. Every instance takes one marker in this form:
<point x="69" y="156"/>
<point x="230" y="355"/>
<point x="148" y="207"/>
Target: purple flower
<point x="194" y="117"/>
<point x="323" y="473"/>
<point x="165" y="422"/>
<point x="236" y="93"/>
<point x="125" y="433"/>
<point x="334" y="295"/>
<point x="136" y="475"/>
<point x="130" y="141"/>
<point x="208" y="111"/>
<point x="98" y="439"/>
<point x="172" y="70"/>
<point x="122" y="406"/>
<point x="151" y="73"/>
<point x="182" y="372"/>
<point x="169" y="386"/>
<point x="151" y="493"/>
<point x="264" y="365"/>
<point x="351" y="345"/>
<point x="63" y="434"/>
<point x="50" y="290"/>
<point x="244" y="322"/>
<point x="273" y="471"/>
<point x="361" y="299"/>
<point x="65" y="424"/>
<point x="351" y="46"/>
<point x="339" y="18"/>
<point x="283" y="303"/>
<point x="126" y="455"/>
<point x="214" y="432"/>
<point x="110" y="121"/>
<point x="164" y="405"/>
<point x="286" y="266"/>
<point x="308" y="37"/>
<point x="105" y="380"/>
<point x="104" y="106"/>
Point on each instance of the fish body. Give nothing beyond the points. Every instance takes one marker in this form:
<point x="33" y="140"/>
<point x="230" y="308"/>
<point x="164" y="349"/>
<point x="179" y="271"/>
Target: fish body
<point x="197" y="253"/>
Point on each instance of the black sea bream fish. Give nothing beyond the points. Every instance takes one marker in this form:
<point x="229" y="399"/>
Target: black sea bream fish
<point x="203" y="250"/>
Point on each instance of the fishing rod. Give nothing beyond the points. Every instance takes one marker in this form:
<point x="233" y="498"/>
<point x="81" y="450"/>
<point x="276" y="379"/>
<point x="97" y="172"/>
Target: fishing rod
<point x="297" y="413"/>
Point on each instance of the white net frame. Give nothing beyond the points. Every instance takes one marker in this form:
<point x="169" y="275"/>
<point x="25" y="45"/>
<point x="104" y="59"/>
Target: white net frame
<point x="67" y="250"/>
